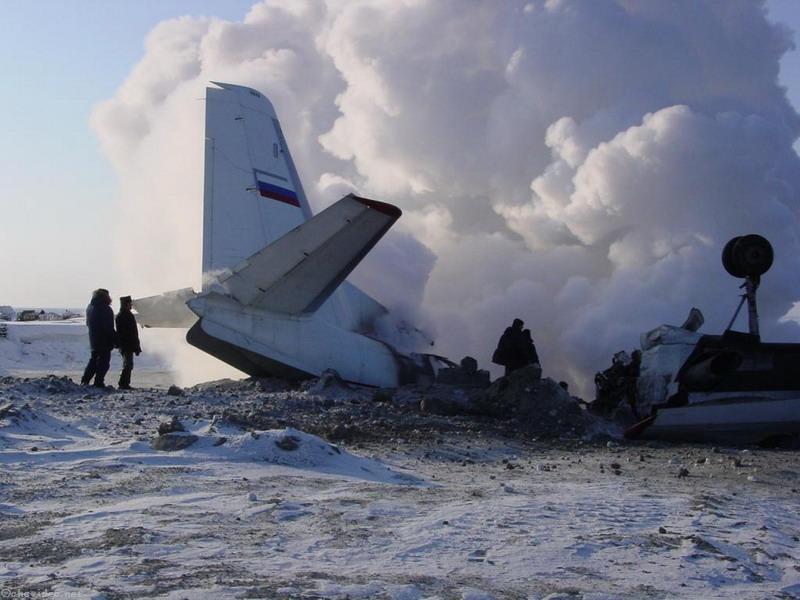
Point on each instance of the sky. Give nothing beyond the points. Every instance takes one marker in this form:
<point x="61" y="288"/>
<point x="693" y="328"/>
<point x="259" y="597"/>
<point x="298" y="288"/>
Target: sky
<point x="575" y="163"/>
<point x="59" y="60"/>
<point x="788" y="12"/>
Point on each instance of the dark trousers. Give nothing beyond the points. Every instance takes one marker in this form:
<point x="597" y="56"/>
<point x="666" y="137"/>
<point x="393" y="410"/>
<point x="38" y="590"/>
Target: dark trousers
<point x="97" y="367"/>
<point x="127" y="368"/>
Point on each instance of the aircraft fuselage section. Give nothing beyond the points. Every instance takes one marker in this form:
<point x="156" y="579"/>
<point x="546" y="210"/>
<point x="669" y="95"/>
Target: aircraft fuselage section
<point x="290" y="346"/>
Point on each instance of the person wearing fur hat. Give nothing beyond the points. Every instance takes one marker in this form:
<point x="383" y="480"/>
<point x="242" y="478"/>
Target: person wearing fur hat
<point x="128" y="340"/>
<point x="102" y="337"/>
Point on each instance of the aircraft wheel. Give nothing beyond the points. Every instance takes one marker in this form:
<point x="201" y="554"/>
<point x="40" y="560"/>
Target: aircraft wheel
<point x="747" y="256"/>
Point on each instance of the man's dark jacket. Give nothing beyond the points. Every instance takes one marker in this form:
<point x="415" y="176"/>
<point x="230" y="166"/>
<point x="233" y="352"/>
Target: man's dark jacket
<point x="511" y="349"/>
<point x="127" y="332"/>
<point x="100" y="320"/>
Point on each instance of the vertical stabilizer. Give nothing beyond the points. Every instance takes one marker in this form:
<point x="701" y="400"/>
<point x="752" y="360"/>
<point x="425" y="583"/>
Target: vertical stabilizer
<point x="252" y="193"/>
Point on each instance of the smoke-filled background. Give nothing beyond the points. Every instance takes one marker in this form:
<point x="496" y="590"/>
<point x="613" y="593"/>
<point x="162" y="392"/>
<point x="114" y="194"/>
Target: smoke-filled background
<point x="578" y="164"/>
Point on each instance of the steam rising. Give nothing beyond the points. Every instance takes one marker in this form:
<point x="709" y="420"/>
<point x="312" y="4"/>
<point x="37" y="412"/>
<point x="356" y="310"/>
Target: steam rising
<point x="576" y="164"/>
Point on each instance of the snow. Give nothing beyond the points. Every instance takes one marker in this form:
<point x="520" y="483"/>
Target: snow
<point x="44" y="345"/>
<point x="62" y="347"/>
<point x="88" y="507"/>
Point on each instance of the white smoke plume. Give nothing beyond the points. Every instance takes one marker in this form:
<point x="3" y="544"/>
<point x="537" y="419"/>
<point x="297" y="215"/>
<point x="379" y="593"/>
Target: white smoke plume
<point x="576" y="164"/>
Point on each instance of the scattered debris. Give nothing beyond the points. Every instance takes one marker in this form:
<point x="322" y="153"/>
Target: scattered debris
<point x="171" y="426"/>
<point x="541" y="406"/>
<point x="468" y="456"/>
<point x="171" y="442"/>
<point x="465" y="375"/>
<point x="383" y="395"/>
<point x="8" y="410"/>
<point x="616" y="386"/>
<point x="443" y="400"/>
<point x="329" y="380"/>
<point x="172" y="436"/>
<point x="288" y="442"/>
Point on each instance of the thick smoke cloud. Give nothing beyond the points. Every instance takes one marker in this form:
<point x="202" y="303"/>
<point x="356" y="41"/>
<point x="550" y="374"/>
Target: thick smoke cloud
<point x="577" y="164"/>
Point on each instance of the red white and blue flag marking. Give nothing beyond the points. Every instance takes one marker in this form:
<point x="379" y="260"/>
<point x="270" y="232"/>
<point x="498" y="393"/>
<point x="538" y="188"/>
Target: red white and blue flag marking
<point x="273" y="191"/>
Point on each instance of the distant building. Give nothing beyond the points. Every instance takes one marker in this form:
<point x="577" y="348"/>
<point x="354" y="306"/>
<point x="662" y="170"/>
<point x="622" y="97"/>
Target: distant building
<point x="27" y="315"/>
<point x="51" y="316"/>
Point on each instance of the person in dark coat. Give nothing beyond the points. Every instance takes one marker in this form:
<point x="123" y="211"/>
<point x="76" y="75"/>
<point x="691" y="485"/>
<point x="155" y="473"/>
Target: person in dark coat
<point x="128" y="335"/>
<point x="531" y="356"/>
<point x="512" y="350"/>
<point x="102" y="337"/>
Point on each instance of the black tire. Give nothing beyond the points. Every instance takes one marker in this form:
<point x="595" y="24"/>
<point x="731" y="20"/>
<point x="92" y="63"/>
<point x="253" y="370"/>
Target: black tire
<point x="727" y="258"/>
<point x="754" y="255"/>
<point x="747" y="256"/>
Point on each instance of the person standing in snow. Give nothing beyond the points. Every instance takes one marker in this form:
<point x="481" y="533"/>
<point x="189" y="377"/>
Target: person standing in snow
<point x="128" y="335"/>
<point x="102" y="337"/>
<point x="531" y="356"/>
<point x="512" y="350"/>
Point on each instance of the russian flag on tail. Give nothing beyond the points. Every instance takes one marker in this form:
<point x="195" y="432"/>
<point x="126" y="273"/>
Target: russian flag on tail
<point x="271" y="190"/>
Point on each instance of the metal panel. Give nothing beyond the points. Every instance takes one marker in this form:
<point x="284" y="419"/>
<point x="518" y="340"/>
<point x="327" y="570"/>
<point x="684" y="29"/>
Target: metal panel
<point x="166" y="310"/>
<point x="298" y="272"/>
<point x="300" y="345"/>
<point x="248" y="176"/>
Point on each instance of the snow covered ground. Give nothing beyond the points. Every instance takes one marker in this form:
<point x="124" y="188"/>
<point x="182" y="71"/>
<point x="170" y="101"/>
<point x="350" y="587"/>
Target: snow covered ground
<point x="62" y="347"/>
<point x="264" y="505"/>
<point x="33" y="348"/>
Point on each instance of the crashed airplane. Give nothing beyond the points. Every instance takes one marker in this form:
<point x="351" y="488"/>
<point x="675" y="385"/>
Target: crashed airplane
<point x="274" y="300"/>
<point x="729" y="388"/>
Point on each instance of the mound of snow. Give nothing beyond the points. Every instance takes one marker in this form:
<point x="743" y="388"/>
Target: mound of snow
<point x="25" y="427"/>
<point x="26" y="433"/>
<point x="289" y="448"/>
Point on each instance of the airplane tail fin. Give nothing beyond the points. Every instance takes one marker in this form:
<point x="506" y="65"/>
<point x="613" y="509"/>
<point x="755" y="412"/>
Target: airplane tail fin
<point x="252" y="193"/>
<point x="298" y="272"/>
<point x="260" y="242"/>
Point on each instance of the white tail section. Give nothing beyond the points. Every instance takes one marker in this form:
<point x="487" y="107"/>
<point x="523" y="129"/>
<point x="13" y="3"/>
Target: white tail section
<point x="252" y="198"/>
<point x="252" y="194"/>
<point x="297" y="273"/>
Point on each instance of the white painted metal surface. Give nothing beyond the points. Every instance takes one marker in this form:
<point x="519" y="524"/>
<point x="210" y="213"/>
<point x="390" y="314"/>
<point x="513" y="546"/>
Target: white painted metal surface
<point x="723" y="416"/>
<point x="306" y="344"/>
<point x="252" y="195"/>
<point x="664" y="350"/>
<point x="273" y="298"/>
<point x="166" y="310"/>
<point x="296" y="273"/>
<point x="742" y="417"/>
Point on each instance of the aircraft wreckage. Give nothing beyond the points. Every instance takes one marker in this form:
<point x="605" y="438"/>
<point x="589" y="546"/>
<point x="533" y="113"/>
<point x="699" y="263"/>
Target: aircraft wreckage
<point x="274" y="300"/>
<point x="731" y="387"/>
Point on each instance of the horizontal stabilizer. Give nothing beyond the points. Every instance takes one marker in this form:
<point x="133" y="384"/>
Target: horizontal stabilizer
<point x="297" y="272"/>
<point x="166" y="310"/>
